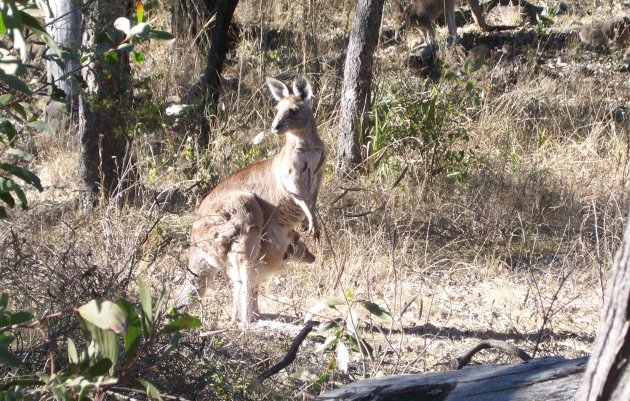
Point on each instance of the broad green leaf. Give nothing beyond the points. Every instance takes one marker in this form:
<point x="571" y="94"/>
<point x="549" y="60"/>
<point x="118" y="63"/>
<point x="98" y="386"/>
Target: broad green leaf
<point x="375" y="309"/>
<point x="21" y="196"/>
<point x="145" y="303"/>
<point x="13" y="82"/>
<point x="7" y="129"/>
<point x="151" y="390"/>
<point x="105" y="315"/>
<point x="8" y="199"/>
<point x="123" y="24"/>
<point x="184" y="322"/>
<point x="125" y="47"/>
<point x="141" y="30"/>
<point x="19" y="318"/>
<point x="42" y="126"/>
<point x="3" y="28"/>
<point x="21" y="153"/>
<point x="138" y="57"/>
<point x="7" y="358"/>
<point x="100" y="368"/>
<point x="327" y="326"/>
<point x="24" y="174"/>
<point x="133" y="336"/>
<point x="161" y="36"/>
<point x="5" y="340"/>
<point x="106" y="341"/>
<point x="3" y="213"/>
<point x="34" y="25"/>
<point x="4" y="300"/>
<point x="73" y="356"/>
<point x="12" y="18"/>
<point x="5" y="99"/>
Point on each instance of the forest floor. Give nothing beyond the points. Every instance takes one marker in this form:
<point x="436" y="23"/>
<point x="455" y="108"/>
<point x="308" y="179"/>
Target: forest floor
<point x="494" y="203"/>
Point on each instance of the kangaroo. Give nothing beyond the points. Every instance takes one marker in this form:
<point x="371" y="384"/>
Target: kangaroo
<point x="598" y="34"/>
<point x="246" y="223"/>
<point x="425" y="12"/>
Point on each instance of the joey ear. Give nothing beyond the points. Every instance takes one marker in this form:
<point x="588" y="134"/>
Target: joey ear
<point x="302" y="89"/>
<point x="278" y="89"/>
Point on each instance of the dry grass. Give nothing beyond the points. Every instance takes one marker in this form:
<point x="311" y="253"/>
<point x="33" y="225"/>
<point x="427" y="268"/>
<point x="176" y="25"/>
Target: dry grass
<point x="518" y="249"/>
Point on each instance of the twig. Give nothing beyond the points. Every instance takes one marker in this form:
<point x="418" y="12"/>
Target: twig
<point x="291" y="353"/>
<point x="502" y="345"/>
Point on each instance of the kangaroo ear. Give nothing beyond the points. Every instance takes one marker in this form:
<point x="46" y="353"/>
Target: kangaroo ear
<point x="302" y="89"/>
<point x="278" y="89"/>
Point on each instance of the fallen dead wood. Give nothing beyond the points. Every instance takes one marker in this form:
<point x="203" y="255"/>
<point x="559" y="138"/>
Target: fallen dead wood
<point x="550" y="379"/>
<point x="502" y="345"/>
<point x="291" y="353"/>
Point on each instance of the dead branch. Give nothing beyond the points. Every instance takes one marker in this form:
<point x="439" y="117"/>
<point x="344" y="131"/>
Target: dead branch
<point x="291" y="353"/>
<point x="502" y="345"/>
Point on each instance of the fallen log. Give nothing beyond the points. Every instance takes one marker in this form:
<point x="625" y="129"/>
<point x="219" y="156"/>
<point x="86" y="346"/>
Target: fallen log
<point x="549" y="379"/>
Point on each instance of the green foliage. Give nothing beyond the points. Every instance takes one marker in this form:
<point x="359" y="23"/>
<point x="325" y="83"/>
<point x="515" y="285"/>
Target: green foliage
<point x="343" y="334"/>
<point x="429" y="123"/>
<point x="99" y="368"/>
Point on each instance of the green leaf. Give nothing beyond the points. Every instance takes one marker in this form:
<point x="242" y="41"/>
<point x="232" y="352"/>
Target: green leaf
<point x="125" y="47"/>
<point x="21" y="153"/>
<point x="161" y="36"/>
<point x="19" y="318"/>
<point x="3" y="213"/>
<point x="138" y="57"/>
<point x="3" y="28"/>
<point x="151" y="390"/>
<point x="375" y="309"/>
<point x="28" y="176"/>
<point x="5" y="340"/>
<point x="73" y="356"/>
<point x="4" y="300"/>
<point x="8" y="199"/>
<point x="184" y="322"/>
<point x="133" y="336"/>
<point x="100" y="368"/>
<point x="7" y="128"/>
<point x="140" y="11"/>
<point x="7" y="358"/>
<point x="106" y="341"/>
<point x="123" y="24"/>
<point x="13" y="82"/>
<point x="105" y="315"/>
<point x="42" y="126"/>
<point x="142" y="30"/>
<point x="145" y="303"/>
<point x="5" y="99"/>
<point x="32" y="23"/>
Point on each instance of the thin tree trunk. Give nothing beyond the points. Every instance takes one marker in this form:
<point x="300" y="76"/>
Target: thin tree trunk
<point x="355" y="101"/>
<point x="207" y="23"/>
<point x="65" y="28"/>
<point x="220" y="43"/>
<point x="104" y="151"/>
<point x="607" y="375"/>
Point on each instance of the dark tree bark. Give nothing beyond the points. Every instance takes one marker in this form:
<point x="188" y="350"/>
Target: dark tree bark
<point x="206" y="92"/>
<point x="104" y="165"/>
<point x="355" y="101"/>
<point x="607" y="376"/>
<point x="65" y="28"/>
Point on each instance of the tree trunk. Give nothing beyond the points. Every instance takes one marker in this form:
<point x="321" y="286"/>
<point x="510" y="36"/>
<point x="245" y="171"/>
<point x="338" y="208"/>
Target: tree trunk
<point x="190" y="18"/>
<point x="549" y="379"/>
<point x="607" y="376"/>
<point x="355" y="101"/>
<point x="104" y="164"/>
<point x="65" y="29"/>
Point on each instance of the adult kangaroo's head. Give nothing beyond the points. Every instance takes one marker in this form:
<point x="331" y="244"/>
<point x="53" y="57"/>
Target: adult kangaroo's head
<point x="294" y="110"/>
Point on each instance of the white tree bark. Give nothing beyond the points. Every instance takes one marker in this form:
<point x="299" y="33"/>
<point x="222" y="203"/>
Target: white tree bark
<point x="65" y="28"/>
<point x="607" y="376"/>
